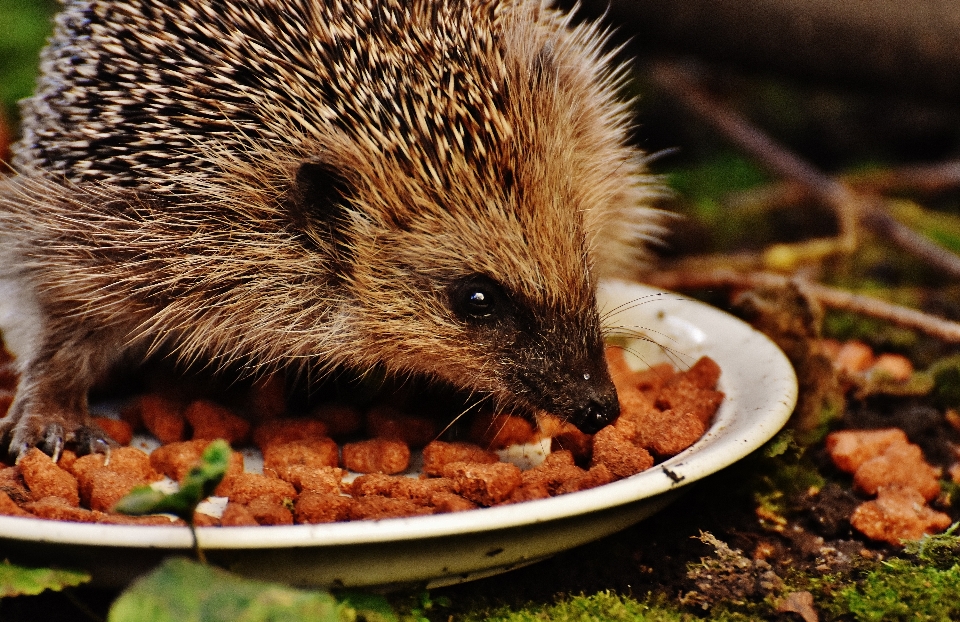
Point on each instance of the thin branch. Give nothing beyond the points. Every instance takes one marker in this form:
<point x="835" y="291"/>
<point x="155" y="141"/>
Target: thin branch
<point x="927" y="179"/>
<point x="830" y="297"/>
<point x="852" y="209"/>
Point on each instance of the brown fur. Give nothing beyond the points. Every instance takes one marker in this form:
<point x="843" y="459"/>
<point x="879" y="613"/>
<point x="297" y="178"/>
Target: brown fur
<point x="158" y="209"/>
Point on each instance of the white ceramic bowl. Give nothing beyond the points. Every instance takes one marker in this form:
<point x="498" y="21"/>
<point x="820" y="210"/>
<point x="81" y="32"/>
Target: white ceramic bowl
<point x="760" y="389"/>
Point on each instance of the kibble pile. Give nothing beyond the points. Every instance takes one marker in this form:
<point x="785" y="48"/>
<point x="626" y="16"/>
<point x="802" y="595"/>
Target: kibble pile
<point x="310" y="473"/>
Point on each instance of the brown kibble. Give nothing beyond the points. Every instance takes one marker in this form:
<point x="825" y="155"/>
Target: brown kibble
<point x="850" y="448"/>
<point x="8" y="507"/>
<point x="685" y="396"/>
<point x="67" y="458"/>
<point x="161" y="416"/>
<point x="287" y="430"/>
<point x="317" y="452"/>
<point x="560" y="459"/>
<point x="387" y="422"/>
<point x="552" y="474"/>
<point x="176" y="459"/>
<point x="894" y="366"/>
<point x="704" y="374"/>
<point x="266" y="511"/>
<point x="597" y="476"/>
<point x="132" y="464"/>
<point x="234" y="470"/>
<point x="549" y="425"/>
<point x="674" y="432"/>
<point x="900" y="465"/>
<point x="117" y="429"/>
<point x="45" y="479"/>
<point x="132" y="460"/>
<point x="202" y="519"/>
<point x="106" y="488"/>
<point x="400" y="487"/>
<point x="637" y="414"/>
<point x="620" y="372"/>
<point x="647" y="381"/>
<point x="499" y="431"/>
<point x="314" y="479"/>
<point x="616" y="452"/>
<point x="650" y="381"/>
<point x="237" y="515"/>
<point x="854" y="357"/>
<point x="484" y="484"/>
<point x="211" y="421"/>
<point x="268" y="397"/>
<point x="445" y="502"/>
<point x="376" y="456"/>
<point x="249" y="486"/>
<point x="898" y="514"/>
<point x="571" y="439"/>
<point x="12" y="485"/>
<point x="56" y="508"/>
<point x="155" y="520"/>
<point x="322" y="507"/>
<point x="438" y="454"/>
<point x="377" y="508"/>
<point x="340" y="419"/>
<point x="529" y="490"/>
<point x="380" y="484"/>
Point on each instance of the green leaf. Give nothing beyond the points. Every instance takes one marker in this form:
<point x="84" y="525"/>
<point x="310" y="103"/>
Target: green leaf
<point x="370" y="607"/>
<point x="20" y="581"/>
<point x="184" y="591"/>
<point x="199" y="483"/>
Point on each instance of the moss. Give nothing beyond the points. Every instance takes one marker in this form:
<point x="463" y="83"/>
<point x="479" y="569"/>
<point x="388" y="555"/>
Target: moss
<point x="605" y="607"/>
<point x="939" y="550"/>
<point x="24" y="26"/>
<point x="901" y="590"/>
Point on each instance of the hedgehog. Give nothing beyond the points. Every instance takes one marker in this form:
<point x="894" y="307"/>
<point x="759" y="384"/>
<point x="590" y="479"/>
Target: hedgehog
<point x="429" y="188"/>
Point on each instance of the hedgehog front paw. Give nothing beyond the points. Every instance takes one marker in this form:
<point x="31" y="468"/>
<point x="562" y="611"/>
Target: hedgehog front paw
<point x="50" y="434"/>
<point x="23" y="432"/>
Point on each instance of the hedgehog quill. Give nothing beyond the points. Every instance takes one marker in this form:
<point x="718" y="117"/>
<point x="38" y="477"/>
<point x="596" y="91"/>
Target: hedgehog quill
<point x="430" y="188"/>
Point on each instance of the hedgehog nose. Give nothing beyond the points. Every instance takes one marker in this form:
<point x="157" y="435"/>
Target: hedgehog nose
<point x="595" y="415"/>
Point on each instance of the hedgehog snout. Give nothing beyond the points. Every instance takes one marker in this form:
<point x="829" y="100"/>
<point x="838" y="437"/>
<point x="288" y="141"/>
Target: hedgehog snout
<point x="596" y="412"/>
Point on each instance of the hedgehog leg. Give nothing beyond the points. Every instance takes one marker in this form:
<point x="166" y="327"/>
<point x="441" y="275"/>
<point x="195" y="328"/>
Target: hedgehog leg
<point x="50" y="408"/>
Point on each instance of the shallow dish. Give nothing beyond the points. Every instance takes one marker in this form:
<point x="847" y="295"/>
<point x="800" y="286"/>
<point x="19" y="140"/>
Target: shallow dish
<point x="436" y="550"/>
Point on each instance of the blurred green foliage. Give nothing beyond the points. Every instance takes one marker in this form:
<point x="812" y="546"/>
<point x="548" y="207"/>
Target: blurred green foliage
<point x="24" y="27"/>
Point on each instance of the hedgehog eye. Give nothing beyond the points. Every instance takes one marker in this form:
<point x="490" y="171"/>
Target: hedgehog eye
<point x="477" y="297"/>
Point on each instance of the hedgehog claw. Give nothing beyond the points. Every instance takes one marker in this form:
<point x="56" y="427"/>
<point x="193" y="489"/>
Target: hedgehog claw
<point x="52" y="441"/>
<point x="90" y="439"/>
<point x="19" y="453"/>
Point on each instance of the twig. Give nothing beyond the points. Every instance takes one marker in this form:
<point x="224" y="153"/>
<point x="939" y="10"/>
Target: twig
<point x="681" y="83"/>
<point x="926" y="179"/>
<point x="851" y="208"/>
<point x="831" y="297"/>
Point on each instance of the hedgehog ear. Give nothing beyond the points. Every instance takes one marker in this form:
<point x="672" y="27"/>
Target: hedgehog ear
<point x="319" y="196"/>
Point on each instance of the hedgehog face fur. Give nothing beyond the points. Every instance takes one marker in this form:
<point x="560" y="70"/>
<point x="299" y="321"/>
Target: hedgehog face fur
<point x="429" y="187"/>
